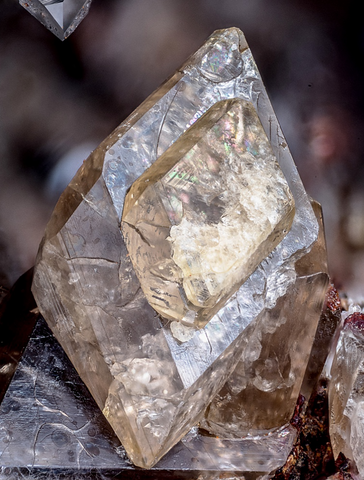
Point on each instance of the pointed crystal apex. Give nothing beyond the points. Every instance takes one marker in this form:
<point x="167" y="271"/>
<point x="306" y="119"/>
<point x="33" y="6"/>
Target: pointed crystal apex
<point x="61" y="17"/>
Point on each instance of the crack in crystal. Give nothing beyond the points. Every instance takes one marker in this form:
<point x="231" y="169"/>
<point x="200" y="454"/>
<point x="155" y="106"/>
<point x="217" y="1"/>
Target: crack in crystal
<point x="177" y="89"/>
<point x="142" y="237"/>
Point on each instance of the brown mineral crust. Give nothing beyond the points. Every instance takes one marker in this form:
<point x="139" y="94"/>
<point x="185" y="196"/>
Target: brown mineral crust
<point x="332" y="300"/>
<point x="296" y="419"/>
<point x="345" y="468"/>
<point x="311" y="457"/>
<point x="341" y="476"/>
<point x="355" y="322"/>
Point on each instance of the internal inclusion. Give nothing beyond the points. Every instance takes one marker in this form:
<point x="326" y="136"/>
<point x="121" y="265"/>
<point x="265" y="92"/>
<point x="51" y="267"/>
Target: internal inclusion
<point x="200" y="220"/>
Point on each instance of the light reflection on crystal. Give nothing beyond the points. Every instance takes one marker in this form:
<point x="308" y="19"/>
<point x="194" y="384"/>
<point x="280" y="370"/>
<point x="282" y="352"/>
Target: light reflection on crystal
<point x="225" y="206"/>
<point x="222" y="63"/>
<point x="61" y="17"/>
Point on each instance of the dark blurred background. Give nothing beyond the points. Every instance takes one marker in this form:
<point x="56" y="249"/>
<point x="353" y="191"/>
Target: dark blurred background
<point x="58" y="100"/>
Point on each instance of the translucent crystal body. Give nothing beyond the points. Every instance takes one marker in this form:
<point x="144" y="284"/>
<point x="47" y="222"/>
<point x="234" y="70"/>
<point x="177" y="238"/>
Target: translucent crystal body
<point x="261" y="393"/>
<point x="50" y="428"/>
<point x="346" y="395"/>
<point x="152" y="387"/>
<point x="206" y="213"/>
<point x="325" y="337"/>
<point x="61" y="17"/>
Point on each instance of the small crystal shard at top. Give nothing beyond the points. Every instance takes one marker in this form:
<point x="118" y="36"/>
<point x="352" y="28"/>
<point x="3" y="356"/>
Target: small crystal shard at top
<point x="61" y="17"/>
<point x="202" y="218"/>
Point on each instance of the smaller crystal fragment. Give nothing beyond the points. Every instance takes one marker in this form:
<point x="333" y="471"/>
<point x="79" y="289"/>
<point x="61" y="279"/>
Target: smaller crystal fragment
<point x="346" y="393"/>
<point x="201" y="219"/>
<point x="61" y="17"/>
<point x="324" y="339"/>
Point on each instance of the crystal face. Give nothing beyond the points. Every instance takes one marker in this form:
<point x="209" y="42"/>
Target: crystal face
<point x="66" y="430"/>
<point x="199" y="221"/>
<point x="61" y="17"/>
<point x="346" y="396"/>
<point x="261" y="393"/>
<point x="151" y="386"/>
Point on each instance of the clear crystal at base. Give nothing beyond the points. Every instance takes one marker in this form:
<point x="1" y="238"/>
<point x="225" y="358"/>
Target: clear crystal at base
<point x="61" y="17"/>
<point x="206" y="213"/>
<point x="66" y="436"/>
<point x="151" y="387"/>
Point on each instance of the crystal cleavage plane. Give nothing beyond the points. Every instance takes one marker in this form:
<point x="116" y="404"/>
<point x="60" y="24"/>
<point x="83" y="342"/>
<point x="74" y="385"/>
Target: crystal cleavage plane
<point x="153" y="366"/>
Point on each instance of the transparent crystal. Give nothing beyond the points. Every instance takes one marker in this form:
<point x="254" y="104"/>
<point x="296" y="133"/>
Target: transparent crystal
<point x="200" y="220"/>
<point x="152" y="387"/>
<point x="346" y="391"/>
<point x="61" y="17"/>
<point x="325" y="337"/>
<point x="66" y="435"/>
<point x="261" y="393"/>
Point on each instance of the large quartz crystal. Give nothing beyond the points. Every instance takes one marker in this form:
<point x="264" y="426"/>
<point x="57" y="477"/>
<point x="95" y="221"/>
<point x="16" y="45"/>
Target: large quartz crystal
<point x="346" y="392"/>
<point x="61" y="17"/>
<point x="199" y="221"/>
<point x="152" y="380"/>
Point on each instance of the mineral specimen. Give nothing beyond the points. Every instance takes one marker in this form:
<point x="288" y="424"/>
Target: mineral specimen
<point x="261" y="393"/>
<point x="199" y="221"/>
<point x="151" y="386"/>
<point x="61" y="17"/>
<point x="346" y="395"/>
<point x="311" y="457"/>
